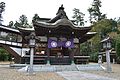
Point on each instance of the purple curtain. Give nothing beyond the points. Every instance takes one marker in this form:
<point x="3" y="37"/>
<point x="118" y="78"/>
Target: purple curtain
<point x="53" y="43"/>
<point x="69" y="43"/>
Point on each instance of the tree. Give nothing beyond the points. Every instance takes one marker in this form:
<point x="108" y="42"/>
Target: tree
<point x="103" y="28"/>
<point x="118" y="21"/>
<point x="17" y="24"/>
<point x="23" y="22"/>
<point x="94" y="11"/>
<point x="36" y="17"/>
<point x="2" y="9"/>
<point x="11" y="24"/>
<point x="79" y="17"/>
<point x="117" y="48"/>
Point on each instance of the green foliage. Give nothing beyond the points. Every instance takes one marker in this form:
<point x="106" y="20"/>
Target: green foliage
<point x="118" y="46"/>
<point x="11" y="24"/>
<point x="2" y="9"/>
<point x="94" y="57"/>
<point x="101" y="25"/>
<point x="36" y="17"/>
<point x="89" y="49"/>
<point x="94" y="11"/>
<point x="4" y="56"/>
<point x="104" y="26"/>
<point x="78" y="17"/>
<point x="17" y="24"/>
<point x="23" y="22"/>
<point x="85" y="48"/>
<point x="118" y="21"/>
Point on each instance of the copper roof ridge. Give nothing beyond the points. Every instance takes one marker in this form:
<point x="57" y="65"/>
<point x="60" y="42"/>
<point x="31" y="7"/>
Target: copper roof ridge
<point x="61" y="22"/>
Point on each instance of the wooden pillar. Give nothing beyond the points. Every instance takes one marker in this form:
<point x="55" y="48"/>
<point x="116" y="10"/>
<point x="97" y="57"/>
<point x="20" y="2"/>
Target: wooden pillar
<point x="48" y="56"/>
<point x="48" y="53"/>
<point x="79" y="47"/>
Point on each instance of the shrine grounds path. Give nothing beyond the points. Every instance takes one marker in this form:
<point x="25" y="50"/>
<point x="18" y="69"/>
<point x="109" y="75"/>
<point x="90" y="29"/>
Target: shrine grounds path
<point x="7" y="73"/>
<point x="13" y="74"/>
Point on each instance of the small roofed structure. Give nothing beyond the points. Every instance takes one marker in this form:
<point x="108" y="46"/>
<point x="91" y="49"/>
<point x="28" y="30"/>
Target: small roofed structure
<point x="107" y="44"/>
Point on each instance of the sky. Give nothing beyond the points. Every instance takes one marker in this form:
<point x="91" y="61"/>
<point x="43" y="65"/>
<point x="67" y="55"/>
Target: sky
<point x="48" y="8"/>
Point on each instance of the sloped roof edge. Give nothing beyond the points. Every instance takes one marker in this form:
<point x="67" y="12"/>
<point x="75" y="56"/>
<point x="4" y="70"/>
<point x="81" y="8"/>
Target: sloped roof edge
<point x="9" y="29"/>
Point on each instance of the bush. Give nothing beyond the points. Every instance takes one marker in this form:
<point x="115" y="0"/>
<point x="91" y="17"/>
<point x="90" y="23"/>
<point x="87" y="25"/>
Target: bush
<point x="4" y="56"/>
<point x="94" y="57"/>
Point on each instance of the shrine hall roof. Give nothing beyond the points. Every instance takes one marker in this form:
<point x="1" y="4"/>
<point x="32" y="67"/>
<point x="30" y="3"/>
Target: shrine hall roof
<point x="60" y="19"/>
<point x="65" y="22"/>
<point x="7" y="29"/>
<point x="59" y="25"/>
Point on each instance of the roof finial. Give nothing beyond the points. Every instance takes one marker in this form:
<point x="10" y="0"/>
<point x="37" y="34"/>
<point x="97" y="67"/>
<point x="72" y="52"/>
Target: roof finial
<point x="61" y="7"/>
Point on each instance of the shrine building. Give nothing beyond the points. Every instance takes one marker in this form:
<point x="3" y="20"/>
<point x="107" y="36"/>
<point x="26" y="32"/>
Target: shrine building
<point x="57" y="40"/>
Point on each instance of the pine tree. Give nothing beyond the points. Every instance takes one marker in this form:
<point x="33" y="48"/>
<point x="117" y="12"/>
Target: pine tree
<point x="78" y="17"/>
<point x="94" y="11"/>
<point x="2" y="9"/>
<point x="23" y="22"/>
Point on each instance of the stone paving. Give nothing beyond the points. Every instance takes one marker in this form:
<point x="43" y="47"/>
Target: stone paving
<point x="78" y="75"/>
<point x="7" y="73"/>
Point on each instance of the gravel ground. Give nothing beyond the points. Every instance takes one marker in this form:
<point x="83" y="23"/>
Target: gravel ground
<point x="114" y="74"/>
<point x="7" y="73"/>
<point x="13" y="74"/>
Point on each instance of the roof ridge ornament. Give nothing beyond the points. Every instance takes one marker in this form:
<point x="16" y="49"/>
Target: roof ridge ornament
<point x="59" y="15"/>
<point x="61" y="12"/>
<point x="60" y="9"/>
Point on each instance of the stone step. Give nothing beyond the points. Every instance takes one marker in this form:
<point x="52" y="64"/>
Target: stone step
<point x="56" y="68"/>
<point x="59" y="68"/>
<point x="89" y="67"/>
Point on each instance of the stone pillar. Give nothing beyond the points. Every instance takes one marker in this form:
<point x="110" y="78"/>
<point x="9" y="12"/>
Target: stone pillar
<point x="113" y="60"/>
<point x="31" y="60"/>
<point x="99" y="59"/>
<point x="109" y="69"/>
<point x="32" y="49"/>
